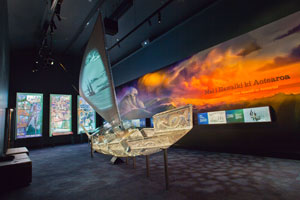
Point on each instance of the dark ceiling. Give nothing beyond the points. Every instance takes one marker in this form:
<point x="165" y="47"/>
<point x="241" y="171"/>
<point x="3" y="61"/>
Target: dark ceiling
<point x="28" y="19"/>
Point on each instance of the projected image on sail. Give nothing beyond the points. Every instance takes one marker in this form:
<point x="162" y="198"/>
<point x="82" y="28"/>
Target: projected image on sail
<point x="95" y="82"/>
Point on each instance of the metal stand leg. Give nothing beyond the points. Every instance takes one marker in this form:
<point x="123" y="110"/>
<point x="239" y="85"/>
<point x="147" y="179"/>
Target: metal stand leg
<point x="134" y="163"/>
<point x="92" y="155"/>
<point x="126" y="161"/>
<point x="147" y="165"/>
<point x="166" y="169"/>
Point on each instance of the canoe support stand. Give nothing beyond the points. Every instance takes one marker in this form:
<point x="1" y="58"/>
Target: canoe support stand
<point x="147" y="166"/>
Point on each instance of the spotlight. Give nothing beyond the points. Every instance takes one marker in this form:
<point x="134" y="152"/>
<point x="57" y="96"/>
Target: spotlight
<point x="49" y="62"/>
<point x="36" y="62"/>
<point x="145" y="43"/>
<point x="159" y="17"/>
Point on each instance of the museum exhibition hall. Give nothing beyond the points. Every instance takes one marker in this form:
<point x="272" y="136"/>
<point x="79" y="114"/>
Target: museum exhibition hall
<point x="150" y="99"/>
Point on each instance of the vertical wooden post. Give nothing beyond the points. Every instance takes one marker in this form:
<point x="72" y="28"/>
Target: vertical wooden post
<point x="147" y="166"/>
<point x="166" y="168"/>
<point x="9" y="128"/>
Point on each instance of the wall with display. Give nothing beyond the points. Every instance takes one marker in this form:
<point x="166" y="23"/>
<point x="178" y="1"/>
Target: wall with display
<point x="248" y="115"/>
<point x="46" y="81"/>
<point x="259" y="68"/>
<point x="220" y="22"/>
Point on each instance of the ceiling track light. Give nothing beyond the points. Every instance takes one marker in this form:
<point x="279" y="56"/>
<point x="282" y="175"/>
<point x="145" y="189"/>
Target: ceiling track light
<point x="147" y="20"/>
<point x="145" y="43"/>
<point x="159" y="17"/>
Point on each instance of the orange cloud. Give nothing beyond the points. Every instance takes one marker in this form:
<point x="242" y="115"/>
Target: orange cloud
<point x="282" y="61"/>
<point x="221" y="72"/>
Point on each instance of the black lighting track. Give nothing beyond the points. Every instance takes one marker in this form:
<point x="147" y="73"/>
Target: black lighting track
<point x="140" y="24"/>
<point x="121" y="10"/>
<point x="83" y="25"/>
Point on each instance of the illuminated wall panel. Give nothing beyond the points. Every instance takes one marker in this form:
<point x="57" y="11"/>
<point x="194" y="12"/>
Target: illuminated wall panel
<point x="60" y="114"/>
<point x="259" y="68"/>
<point x="217" y="117"/>
<point x="260" y="114"/>
<point x="137" y="123"/>
<point x="247" y="115"/>
<point x="29" y="108"/>
<point x="86" y="116"/>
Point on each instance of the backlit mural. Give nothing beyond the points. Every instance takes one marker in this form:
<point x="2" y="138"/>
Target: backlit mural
<point x="60" y="114"/>
<point x="259" y="68"/>
<point x="86" y="116"/>
<point x="29" y="115"/>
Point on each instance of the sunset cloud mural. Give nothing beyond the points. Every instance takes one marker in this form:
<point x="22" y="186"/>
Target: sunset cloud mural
<point x="259" y="68"/>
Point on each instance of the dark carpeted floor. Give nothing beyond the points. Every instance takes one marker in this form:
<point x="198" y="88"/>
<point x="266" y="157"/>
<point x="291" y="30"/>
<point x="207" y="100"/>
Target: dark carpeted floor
<point x="68" y="172"/>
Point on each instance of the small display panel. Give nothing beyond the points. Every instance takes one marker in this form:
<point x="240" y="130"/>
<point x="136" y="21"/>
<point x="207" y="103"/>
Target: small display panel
<point x="235" y="116"/>
<point x="86" y="116"/>
<point x="142" y="123"/>
<point x="60" y="114"/>
<point x="259" y="114"/>
<point x="151" y="122"/>
<point x="202" y="118"/>
<point x="217" y="117"/>
<point x="137" y="123"/>
<point x="29" y="107"/>
<point x="247" y="115"/>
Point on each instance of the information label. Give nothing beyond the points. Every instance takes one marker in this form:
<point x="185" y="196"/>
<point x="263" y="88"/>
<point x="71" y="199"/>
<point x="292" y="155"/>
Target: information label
<point x="235" y="116"/>
<point x="217" y="117"/>
<point x="258" y="114"/>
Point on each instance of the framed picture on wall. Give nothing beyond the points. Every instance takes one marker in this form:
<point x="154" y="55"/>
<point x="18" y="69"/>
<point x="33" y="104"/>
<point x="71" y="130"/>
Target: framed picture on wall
<point x="60" y="114"/>
<point x="86" y="116"/>
<point x="29" y="109"/>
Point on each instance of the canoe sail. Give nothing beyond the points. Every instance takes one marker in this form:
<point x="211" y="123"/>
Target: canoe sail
<point x="97" y="88"/>
<point x="95" y="83"/>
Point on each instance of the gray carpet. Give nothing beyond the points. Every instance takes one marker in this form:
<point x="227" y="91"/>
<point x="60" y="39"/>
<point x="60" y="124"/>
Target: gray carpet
<point x="68" y="172"/>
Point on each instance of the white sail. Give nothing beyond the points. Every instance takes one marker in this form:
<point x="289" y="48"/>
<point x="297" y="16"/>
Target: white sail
<point x="96" y="83"/>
